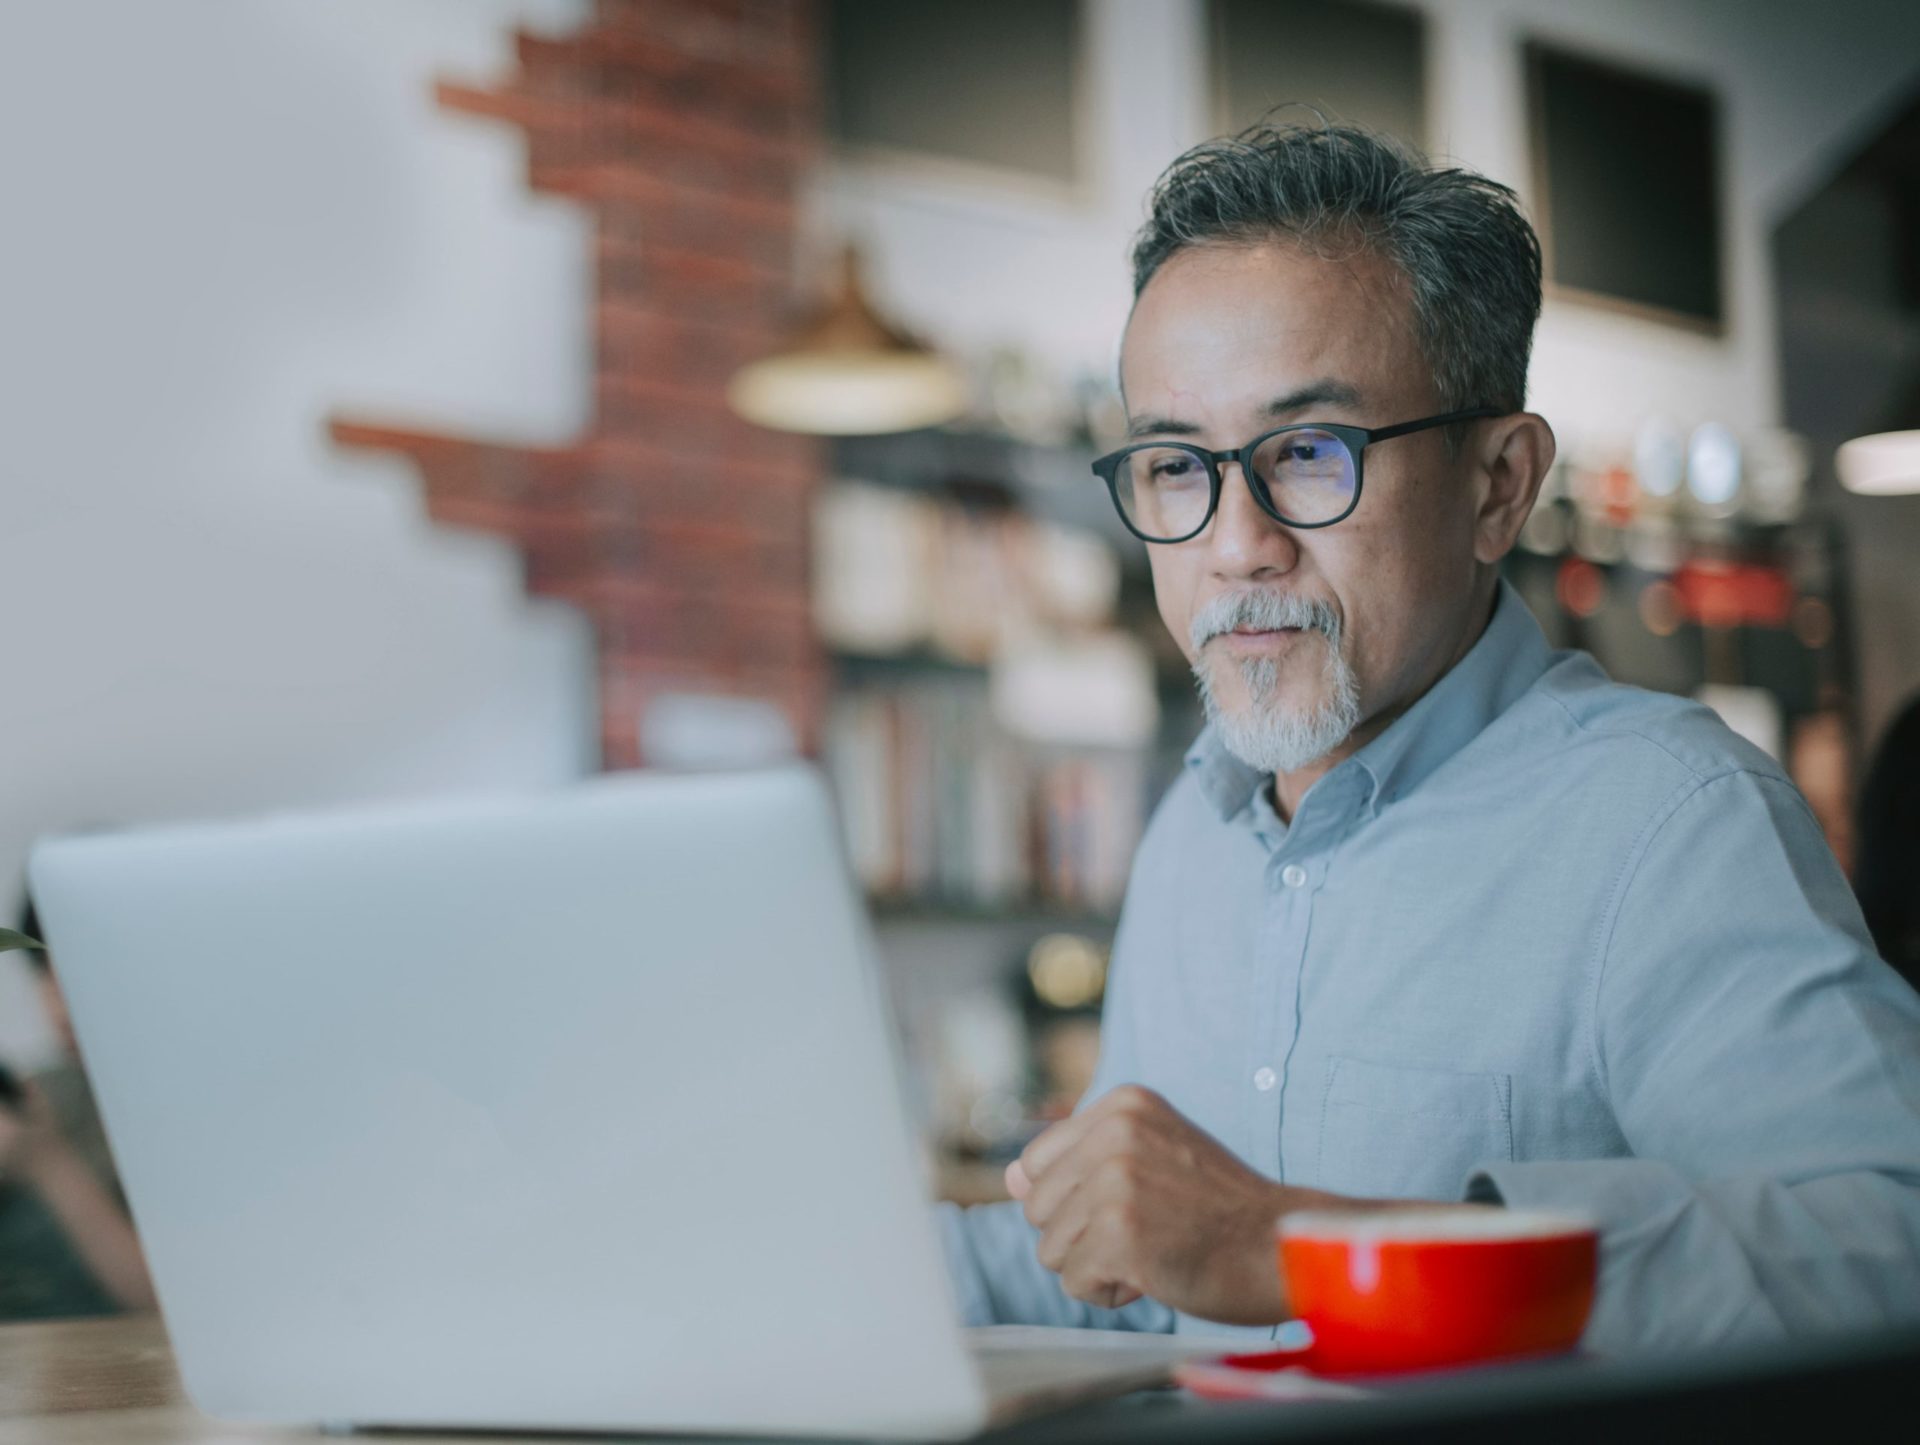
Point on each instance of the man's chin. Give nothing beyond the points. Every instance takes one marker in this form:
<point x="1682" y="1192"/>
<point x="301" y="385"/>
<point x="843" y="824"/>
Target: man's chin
<point x="1275" y="714"/>
<point x="1277" y="745"/>
<point x="1276" y="734"/>
<point x="1227" y="685"/>
<point x="1251" y="718"/>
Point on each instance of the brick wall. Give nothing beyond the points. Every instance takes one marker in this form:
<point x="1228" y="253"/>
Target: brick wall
<point x="677" y="528"/>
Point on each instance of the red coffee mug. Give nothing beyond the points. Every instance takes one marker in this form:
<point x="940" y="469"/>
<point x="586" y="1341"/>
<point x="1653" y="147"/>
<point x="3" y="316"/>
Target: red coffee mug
<point x="1420" y="1289"/>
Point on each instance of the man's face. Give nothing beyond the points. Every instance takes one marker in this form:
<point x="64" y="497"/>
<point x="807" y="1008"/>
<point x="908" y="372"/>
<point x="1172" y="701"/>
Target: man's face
<point x="1228" y="342"/>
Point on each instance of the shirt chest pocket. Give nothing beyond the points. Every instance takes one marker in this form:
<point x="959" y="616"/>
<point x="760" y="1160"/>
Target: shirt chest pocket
<point x="1391" y="1132"/>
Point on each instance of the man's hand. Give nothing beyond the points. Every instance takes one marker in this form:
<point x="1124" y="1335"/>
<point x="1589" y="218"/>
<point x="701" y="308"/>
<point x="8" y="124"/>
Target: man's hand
<point x="27" y="1130"/>
<point x="1132" y="1199"/>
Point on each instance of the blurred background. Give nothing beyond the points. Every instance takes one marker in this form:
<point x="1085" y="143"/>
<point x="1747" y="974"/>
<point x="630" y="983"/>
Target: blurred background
<point x="399" y="398"/>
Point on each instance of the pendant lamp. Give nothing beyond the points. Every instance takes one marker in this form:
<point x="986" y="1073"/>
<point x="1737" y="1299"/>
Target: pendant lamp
<point x="1885" y="464"/>
<point x="846" y="372"/>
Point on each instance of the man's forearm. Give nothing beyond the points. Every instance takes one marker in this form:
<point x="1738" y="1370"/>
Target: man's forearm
<point x="1686" y="1263"/>
<point x="99" y="1233"/>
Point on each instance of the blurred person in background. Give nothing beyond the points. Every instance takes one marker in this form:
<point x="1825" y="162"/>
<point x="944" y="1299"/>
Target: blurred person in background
<point x="1436" y="915"/>
<point x="1887" y="844"/>
<point x="67" y="1247"/>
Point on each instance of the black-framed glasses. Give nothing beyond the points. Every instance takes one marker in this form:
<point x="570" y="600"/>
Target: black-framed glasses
<point x="1304" y="475"/>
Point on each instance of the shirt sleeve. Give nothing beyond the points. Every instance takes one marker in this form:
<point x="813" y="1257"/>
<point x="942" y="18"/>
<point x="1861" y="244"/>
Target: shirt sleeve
<point x="999" y="1279"/>
<point x="1764" y="1066"/>
<point x="992" y="1252"/>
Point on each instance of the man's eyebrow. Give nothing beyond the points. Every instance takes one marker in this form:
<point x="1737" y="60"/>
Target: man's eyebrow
<point x="1325" y="392"/>
<point x="1159" y="426"/>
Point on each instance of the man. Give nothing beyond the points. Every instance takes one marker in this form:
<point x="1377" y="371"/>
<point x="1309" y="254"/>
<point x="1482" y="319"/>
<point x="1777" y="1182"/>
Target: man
<point x="67" y="1247"/>
<point x="1435" y="914"/>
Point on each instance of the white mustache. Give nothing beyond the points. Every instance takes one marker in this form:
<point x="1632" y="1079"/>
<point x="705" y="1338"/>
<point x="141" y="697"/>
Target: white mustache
<point x="1264" y="611"/>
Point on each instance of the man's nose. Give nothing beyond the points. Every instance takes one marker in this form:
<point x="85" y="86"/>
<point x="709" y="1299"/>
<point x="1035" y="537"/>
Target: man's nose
<point x="1245" y="541"/>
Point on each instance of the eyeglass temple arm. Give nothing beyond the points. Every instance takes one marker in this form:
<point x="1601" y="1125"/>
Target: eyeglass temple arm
<point x="1432" y="421"/>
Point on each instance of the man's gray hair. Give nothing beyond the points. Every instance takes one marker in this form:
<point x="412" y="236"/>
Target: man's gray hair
<point x="1470" y="257"/>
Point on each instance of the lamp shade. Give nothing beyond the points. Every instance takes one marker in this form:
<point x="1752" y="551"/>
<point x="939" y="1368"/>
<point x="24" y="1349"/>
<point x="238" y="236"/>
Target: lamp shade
<point x="1885" y="464"/>
<point x="848" y="373"/>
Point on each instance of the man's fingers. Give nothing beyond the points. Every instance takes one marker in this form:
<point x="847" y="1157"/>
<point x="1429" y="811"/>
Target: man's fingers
<point x="1090" y="1232"/>
<point x="1100" y="1140"/>
<point x="1098" y="1268"/>
<point x="1051" y="1142"/>
<point x="1129" y="1101"/>
<point x="1018" y="1185"/>
<point x="1049" y="1193"/>
<point x="1057" y="1243"/>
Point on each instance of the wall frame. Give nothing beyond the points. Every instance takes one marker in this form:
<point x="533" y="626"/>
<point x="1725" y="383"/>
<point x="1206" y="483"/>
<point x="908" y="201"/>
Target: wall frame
<point x="1627" y="188"/>
<point x="884" y="112"/>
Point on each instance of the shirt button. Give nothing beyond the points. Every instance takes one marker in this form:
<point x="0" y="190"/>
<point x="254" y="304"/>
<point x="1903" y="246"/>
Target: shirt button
<point x="1264" y="1079"/>
<point x="1293" y="875"/>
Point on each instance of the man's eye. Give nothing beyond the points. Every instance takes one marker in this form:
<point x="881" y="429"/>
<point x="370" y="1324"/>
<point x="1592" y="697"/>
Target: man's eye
<point x="1176" y="469"/>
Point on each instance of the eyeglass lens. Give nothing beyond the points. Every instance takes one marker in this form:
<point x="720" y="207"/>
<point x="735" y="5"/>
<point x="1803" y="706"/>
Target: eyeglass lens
<point x="1165" y="491"/>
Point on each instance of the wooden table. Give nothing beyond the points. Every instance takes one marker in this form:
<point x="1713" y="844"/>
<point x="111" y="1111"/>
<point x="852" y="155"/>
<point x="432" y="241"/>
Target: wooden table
<point x="112" y="1382"/>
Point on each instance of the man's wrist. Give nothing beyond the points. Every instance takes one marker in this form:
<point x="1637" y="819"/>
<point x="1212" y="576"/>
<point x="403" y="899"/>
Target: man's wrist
<point x="40" y="1157"/>
<point x="1265" y="1294"/>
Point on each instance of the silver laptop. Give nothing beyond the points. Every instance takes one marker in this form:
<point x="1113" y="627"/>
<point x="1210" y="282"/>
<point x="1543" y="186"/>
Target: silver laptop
<point x="577" y="1111"/>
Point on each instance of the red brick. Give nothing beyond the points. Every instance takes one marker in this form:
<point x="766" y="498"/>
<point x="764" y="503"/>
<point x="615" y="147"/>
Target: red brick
<point x="710" y="496"/>
<point x="696" y="423"/>
<point x="714" y="290"/>
<point x="610" y="184"/>
<point x="729" y="30"/>
<point x="772" y="93"/>
<point x="795" y="470"/>
<point x="638" y="317"/>
<point x="633" y="330"/>
<point x="711" y="554"/>
<point x="691" y="224"/>
<point x="572" y="132"/>
<point x="635" y="208"/>
<point x="680" y="530"/>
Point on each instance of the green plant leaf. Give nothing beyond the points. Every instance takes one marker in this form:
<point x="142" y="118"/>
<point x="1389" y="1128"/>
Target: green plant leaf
<point x="11" y="940"/>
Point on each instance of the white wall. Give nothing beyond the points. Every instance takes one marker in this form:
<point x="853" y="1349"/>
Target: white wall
<point x="226" y="218"/>
<point x="1796" y="82"/>
<point x="975" y="266"/>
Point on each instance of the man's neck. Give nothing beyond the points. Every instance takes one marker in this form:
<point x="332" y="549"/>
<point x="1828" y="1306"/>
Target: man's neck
<point x="1285" y="790"/>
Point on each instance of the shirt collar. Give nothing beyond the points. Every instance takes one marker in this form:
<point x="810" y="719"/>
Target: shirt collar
<point x="1226" y="782"/>
<point x="1507" y="659"/>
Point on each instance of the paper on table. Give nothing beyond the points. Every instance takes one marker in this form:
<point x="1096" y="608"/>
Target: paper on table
<point x="1114" y="1342"/>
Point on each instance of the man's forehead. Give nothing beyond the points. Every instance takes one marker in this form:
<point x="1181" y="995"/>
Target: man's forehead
<point x="1269" y="326"/>
<point x="1173" y="416"/>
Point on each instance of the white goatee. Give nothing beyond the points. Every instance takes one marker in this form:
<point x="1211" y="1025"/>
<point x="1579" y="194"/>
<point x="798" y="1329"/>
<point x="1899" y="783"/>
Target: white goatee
<point x="1266" y="734"/>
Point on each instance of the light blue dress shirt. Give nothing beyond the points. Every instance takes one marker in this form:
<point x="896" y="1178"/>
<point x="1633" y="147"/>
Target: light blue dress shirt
<point x="1547" y="940"/>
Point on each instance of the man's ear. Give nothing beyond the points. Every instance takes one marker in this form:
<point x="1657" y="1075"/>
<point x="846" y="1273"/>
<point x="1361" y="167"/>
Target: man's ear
<point x="1511" y="455"/>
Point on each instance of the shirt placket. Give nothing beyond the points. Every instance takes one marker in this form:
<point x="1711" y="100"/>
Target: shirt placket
<point x="1296" y="867"/>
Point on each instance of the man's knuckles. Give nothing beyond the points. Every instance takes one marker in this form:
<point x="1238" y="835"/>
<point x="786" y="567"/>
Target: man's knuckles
<point x="1096" y="1283"/>
<point x="1052" y="1250"/>
<point x="1104" y="1268"/>
<point x="1118" y="1136"/>
<point x="1132" y="1101"/>
<point x="1119" y="1180"/>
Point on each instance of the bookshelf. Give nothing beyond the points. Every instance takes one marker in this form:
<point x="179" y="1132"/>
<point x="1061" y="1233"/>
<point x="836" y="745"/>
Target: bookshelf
<point x="1005" y="709"/>
<point x="948" y="556"/>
